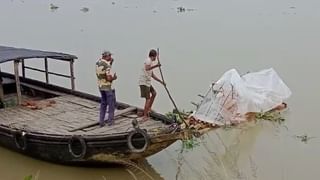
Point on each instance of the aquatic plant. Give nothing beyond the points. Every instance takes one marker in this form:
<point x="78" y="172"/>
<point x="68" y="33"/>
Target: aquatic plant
<point x="190" y="143"/>
<point x="181" y="9"/>
<point x="270" y="116"/>
<point x="84" y="9"/>
<point x="28" y="177"/>
<point x="304" y="138"/>
<point x="53" y="7"/>
<point x="175" y="115"/>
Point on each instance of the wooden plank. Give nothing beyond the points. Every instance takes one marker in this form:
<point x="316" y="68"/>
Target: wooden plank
<point x="110" y="129"/>
<point x="117" y="120"/>
<point x="124" y="127"/>
<point x="150" y="124"/>
<point x="83" y="104"/>
<point x="64" y="117"/>
<point x="117" y="123"/>
<point x="50" y="111"/>
<point x="72" y="119"/>
<point x="118" y="113"/>
<point x="34" y="120"/>
<point x="26" y="115"/>
<point x="65" y="106"/>
<point x="4" y="116"/>
<point x="80" y="101"/>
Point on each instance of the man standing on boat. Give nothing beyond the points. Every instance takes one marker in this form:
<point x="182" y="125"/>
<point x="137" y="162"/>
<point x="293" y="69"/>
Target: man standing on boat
<point x="105" y="78"/>
<point x="146" y="89"/>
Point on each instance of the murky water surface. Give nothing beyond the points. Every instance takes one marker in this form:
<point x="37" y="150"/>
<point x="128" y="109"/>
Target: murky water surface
<point x="198" y="41"/>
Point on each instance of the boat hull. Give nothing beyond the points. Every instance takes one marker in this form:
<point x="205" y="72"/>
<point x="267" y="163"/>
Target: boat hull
<point x="96" y="150"/>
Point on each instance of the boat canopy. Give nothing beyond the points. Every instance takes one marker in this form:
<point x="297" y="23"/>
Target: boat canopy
<point x="11" y="54"/>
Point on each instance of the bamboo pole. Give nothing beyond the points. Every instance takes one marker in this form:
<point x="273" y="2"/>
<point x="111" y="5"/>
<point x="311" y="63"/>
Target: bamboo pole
<point x="16" y="73"/>
<point x="166" y="88"/>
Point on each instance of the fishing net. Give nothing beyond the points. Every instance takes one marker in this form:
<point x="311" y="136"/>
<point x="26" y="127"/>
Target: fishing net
<point x="233" y="96"/>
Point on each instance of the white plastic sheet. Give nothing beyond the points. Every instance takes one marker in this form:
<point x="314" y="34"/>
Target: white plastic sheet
<point x="232" y="96"/>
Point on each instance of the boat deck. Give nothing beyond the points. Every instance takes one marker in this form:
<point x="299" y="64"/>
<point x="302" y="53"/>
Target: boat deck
<point x="63" y="114"/>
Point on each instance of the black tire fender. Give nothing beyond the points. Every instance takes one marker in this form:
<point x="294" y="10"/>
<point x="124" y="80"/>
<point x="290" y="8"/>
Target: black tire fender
<point x="83" y="144"/>
<point x="145" y="136"/>
<point x="20" y="136"/>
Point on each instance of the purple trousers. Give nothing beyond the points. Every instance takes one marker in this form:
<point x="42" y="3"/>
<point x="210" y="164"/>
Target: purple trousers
<point x="108" y="99"/>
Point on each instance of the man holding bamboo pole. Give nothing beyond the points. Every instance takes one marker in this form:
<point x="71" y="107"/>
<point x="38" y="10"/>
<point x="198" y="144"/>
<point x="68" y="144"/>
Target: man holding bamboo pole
<point x="146" y="89"/>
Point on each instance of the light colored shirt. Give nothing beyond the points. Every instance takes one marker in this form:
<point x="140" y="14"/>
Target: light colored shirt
<point x="103" y="68"/>
<point x="145" y="76"/>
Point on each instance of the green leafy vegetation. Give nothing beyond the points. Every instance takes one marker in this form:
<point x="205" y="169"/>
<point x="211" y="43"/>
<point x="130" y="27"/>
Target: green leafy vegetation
<point x="175" y="115"/>
<point x="190" y="144"/>
<point x="31" y="177"/>
<point x="270" y="116"/>
<point x="28" y="177"/>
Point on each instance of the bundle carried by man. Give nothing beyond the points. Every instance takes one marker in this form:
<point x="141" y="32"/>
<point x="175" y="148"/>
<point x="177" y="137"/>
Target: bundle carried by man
<point x="233" y="98"/>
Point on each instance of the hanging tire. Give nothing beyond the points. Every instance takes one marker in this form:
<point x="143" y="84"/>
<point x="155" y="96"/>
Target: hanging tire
<point x="76" y="141"/>
<point x="138" y="147"/>
<point x="20" y="139"/>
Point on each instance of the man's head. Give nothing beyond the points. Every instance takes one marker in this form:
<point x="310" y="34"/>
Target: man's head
<point x="153" y="54"/>
<point x="107" y="55"/>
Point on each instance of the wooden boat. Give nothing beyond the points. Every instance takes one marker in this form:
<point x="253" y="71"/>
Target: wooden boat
<point x="59" y="124"/>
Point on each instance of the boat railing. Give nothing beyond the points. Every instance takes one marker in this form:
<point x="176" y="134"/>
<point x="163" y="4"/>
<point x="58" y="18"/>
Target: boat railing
<point x="19" y="55"/>
<point x="47" y="72"/>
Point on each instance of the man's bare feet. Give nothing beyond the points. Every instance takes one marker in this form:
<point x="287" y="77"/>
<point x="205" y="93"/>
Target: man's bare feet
<point x="144" y="119"/>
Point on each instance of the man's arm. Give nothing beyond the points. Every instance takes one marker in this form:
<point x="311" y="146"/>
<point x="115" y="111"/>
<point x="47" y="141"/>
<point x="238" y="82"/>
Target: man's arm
<point x="109" y="76"/>
<point x="157" y="79"/>
<point x="150" y="67"/>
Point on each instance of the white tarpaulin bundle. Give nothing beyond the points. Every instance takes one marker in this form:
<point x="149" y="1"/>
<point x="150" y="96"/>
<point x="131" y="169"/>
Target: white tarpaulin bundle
<point x="233" y="95"/>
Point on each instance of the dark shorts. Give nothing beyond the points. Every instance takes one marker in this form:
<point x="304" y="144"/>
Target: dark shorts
<point x="145" y="91"/>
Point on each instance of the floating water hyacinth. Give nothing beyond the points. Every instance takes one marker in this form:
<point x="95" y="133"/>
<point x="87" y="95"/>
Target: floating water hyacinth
<point x="304" y="138"/>
<point x="270" y="116"/>
<point x="53" y="7"/>
<point x="190" y="144"/>
<point x="181" y="9"/>
<point x="84" y="9"/>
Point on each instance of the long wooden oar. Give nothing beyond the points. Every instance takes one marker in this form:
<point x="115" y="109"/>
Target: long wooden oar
<point x="165" y="86"/>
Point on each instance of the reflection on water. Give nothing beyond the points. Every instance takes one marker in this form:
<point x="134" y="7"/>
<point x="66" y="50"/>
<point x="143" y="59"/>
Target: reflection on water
<point x="16" y="166"/>
<point x="220" y="155"/>
<point x="198" y="41"/>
